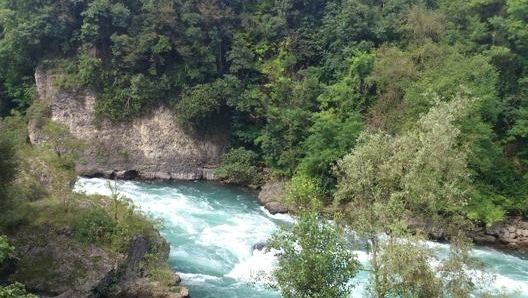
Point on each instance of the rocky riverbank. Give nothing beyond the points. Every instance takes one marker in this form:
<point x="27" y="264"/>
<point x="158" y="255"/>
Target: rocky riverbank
<point x="509" y="234"/>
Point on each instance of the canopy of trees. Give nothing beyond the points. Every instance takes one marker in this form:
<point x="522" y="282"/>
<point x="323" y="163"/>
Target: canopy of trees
<point x="293" y="81"/>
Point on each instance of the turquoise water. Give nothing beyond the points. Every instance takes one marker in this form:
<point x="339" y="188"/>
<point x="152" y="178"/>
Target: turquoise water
<point x="212" y="228"/>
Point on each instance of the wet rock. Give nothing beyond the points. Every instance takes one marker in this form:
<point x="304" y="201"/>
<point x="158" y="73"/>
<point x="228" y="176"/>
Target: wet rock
<point x="259" y="246"/>
<point x="276" y="207"/>
<point x="155" y="176"/>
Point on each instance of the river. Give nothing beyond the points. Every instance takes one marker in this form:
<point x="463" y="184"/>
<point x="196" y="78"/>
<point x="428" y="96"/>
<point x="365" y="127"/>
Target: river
<point x="212" y="229"/>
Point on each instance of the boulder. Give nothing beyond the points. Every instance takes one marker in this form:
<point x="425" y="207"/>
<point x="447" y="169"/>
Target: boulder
<point x="276" y="207"/>
<point x="271" y="195"/>
<point x="259" y="246"/>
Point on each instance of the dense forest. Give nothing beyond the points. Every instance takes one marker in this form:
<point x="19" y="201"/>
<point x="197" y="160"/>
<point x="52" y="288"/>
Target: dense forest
<point x="294" y="82"/>
<point x="377" y="108"/>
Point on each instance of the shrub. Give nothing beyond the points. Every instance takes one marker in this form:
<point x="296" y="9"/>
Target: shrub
<point x="238" y="167"/>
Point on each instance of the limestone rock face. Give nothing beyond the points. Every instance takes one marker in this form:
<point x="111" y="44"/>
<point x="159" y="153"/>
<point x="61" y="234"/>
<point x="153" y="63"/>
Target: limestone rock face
<point x="150" y="147"/>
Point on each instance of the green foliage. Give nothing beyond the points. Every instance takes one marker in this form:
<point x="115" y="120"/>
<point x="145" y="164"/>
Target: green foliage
<point x="279" y="139"/>
<point x="405" y="271"/>
<point x="15" y="290"/>
<point x="475" y="74"/>
<point x="200" y="104"/>
<point x="424" y="167"/>
<point x="94" y="226"/>
<point x="8" y="162"/>
<point x="15" y="190"/>
<point x="302" y="194"/>
<point x="330" y="139"/>
<point x="239" y="167"/>
<point x="389" y="183"/>
<point x="337" y="125"/>
<point x="294" y="81"/>
<point x="110" y="224"/>
<point x="422" y="24"/>
<point x="315" y="260"/>
<point x="65" y="150"/>
<point x="5" y="249"/>
<point x="59" y="139"/>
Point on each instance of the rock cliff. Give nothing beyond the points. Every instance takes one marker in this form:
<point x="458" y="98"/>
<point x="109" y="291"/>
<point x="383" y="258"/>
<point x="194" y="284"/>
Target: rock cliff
<point x="151" y="147"/>
<point x="52" y="263"/>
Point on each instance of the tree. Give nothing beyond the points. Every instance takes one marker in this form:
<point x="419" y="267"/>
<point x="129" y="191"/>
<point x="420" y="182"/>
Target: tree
<point x="331" y="137"/>
<point x="5" y="249"/>
<point x="202" y="104"/>
<point x="392" y="73"/>
<point x="315" y="260"/>
<point x="60" y="140"/>
<point x="65" y="149"/>
<point x="410" y="184"/>
<point x="8" y="162"/>
<point x="422" y="24"/>
<point x="337" y="125"/>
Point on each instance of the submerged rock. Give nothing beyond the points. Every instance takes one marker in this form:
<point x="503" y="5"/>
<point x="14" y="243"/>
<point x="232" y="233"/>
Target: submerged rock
<point x="259" y="246"/>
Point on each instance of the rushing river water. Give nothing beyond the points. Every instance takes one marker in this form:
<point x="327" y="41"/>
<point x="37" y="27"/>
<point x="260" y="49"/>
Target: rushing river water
<point x="212" y="229"/>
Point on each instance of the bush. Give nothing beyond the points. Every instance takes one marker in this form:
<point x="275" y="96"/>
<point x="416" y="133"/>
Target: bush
<point x="8" y="161"/>
<point x="5" y="248"/>
<point x="15" y="290"/>
<point x="238" y="167"/>
<point x="94" y="225"/>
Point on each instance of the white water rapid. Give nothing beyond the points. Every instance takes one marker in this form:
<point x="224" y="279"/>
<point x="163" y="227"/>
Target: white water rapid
<point x="212" y="230"/>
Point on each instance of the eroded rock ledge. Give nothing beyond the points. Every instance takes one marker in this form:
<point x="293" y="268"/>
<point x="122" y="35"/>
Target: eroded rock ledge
<point x="512" y="233"/>
<point x="151" y="147"/>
